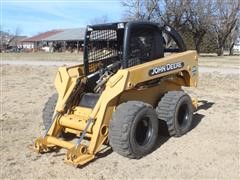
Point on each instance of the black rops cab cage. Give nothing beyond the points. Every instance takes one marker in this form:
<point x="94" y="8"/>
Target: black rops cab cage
<point x="127" y="44"/>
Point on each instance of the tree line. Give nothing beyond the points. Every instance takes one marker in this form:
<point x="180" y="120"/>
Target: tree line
<point x="206" y="25"/>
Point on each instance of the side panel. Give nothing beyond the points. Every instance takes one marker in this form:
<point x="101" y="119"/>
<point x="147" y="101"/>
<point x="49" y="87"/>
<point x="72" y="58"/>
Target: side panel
<point x="183" y="64"/>
<point x="172" y="72"/>
<point x="151" y="95"/>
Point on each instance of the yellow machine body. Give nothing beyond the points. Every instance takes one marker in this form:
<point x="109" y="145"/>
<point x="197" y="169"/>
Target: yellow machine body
<point x="132" y="83"/>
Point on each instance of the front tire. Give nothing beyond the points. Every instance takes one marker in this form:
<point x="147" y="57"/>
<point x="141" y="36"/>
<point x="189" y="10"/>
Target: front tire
<point x="133" y="129"/>
<point x="47" y="115"/>
<point x="175" y="108"/>
<point x="48" y="110"/>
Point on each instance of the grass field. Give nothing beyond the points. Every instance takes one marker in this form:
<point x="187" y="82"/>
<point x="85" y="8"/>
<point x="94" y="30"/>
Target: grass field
<point x="206" y="60"/>
<point x="39" y="56"/>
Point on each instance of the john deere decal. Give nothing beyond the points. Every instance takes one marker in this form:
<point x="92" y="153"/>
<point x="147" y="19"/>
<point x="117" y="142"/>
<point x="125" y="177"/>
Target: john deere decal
<point x="165" y="68"/>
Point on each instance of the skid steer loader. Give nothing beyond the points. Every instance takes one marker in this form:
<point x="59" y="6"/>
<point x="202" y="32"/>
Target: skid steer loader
<point x="130" y="79"/>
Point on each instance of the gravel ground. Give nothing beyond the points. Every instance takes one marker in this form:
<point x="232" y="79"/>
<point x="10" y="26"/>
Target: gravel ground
<point x="210" y="150"/>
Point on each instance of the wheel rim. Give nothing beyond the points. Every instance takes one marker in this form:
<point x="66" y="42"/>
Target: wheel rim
<point x="143" y="131"/>
<point x="183" y="115"/>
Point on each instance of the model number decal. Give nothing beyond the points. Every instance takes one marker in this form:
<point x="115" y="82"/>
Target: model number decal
<point x="165" y="68"/>
<point x="194" y="70"/>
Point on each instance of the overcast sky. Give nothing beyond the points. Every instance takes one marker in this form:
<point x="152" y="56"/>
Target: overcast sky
<point x="34" y="16"/>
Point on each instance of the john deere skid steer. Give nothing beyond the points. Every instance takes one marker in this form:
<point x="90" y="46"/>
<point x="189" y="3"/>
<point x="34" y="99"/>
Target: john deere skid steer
<point x="131" y="78"/>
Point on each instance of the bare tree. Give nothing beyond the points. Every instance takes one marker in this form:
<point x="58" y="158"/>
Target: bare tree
<point x="199" y="17"/>
<point x="233" y="37"/>
<point x="139" y="9"/>
<point x="225" y="20"/>
<point x="4" y="38"/>
<point x="13" y="41"/>
<point x="193" y="18"/>
<point x="172" y="12"/>
<point x="2" y="43"/>
<point x="100" y="20"/>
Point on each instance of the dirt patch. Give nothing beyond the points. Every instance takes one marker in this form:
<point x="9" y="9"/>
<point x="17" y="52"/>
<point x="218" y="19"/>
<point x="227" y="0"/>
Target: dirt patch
<point x="209" y="150"/>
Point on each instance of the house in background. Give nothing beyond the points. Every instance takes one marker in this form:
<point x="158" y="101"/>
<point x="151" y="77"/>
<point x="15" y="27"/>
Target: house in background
<point x="236" y="47"/>
<point x="10" y="42"/>
<point x="69" y="40"/>
<point x="36" y="42"/>
<point x="62" y="40"/>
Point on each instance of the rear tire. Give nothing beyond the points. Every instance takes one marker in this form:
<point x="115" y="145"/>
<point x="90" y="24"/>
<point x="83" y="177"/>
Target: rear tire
<point x="175" y="108"/>
<point x="133" y="129"/>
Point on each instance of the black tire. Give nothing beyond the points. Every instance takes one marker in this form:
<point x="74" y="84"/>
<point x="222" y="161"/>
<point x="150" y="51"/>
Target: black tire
<point x="133" y="129"/>
<point x="47" y="114"/>
<point x="48" y="110"/>
<point x="175" y="108"/>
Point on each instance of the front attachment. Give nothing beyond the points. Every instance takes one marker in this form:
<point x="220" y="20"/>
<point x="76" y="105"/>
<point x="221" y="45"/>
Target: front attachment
<point x="77" y="123"/>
